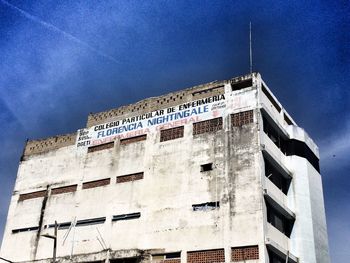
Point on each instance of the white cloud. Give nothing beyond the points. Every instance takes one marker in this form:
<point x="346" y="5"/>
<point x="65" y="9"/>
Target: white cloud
<point x="335" y="150"/>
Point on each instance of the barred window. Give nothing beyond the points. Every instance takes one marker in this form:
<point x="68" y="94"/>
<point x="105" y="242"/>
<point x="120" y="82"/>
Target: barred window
<point x="206" y="256"/>
<point x="129" y="177"/>
<point x="97" y="183"/>
<point x="32" y="195"/>
<point x="133" y="139"/>
<point x="244" y="253"/>
<point x="64" y="189"/>
<point x="212" y="125"/>
<point x="171" y="134"/>
<point x="241" y="118"/>
<point x="100" y="147"/>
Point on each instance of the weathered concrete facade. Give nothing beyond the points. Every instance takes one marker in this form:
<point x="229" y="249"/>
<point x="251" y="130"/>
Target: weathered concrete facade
<point x="231" y="178"/>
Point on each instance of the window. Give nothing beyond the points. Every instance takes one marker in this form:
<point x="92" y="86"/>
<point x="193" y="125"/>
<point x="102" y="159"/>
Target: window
<point x="274" y="134"/>
<point x="206" y="206"/>
<point x="171" y="134"/>
<point x="241" y="84"/>
<point x="241" y="118"/>
<point x="220" y="89"/>
<point x="274" y="258"/>
<point x="100" y="147"/>
<point x="269" y="96"/>
<point x="129" y="177"/>
<point x="278" y="220"/>
<point x="64" y="189"/>
<point x="289" y="146"/>
<point x="91" y="221"/>
<point x="206" y="256"/>
<point x="244" y="253"/>
<point x="212" y="125"/>
<point x="32" y="195"/>
<point x="25" y="229"/>
<point x="174" y="257"/>
<point x="133" y="139"/>
<point x="64" y="225"/>
<point x="287" y="120"/>
<point x="278" y="179"/>
<point x="96" y="183"/>
<point x="206" y="167"/>
<point x="126" y="216"/>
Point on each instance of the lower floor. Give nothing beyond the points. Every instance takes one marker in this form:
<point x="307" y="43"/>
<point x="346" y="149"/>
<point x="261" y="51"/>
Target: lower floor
<point x="252" y="254"/>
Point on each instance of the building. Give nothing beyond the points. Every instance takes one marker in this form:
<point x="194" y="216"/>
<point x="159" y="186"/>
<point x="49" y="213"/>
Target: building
<point x="219" y="172"/>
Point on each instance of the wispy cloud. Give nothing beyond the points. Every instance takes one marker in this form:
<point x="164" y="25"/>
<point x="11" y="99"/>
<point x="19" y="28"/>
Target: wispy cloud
<point x="60" y="31"/>
<point x="335" y="150"/>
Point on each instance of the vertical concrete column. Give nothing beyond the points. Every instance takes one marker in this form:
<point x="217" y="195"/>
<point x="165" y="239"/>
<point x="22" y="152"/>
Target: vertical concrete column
<point x="183" y="256"/>
<point x="227" y="254"/>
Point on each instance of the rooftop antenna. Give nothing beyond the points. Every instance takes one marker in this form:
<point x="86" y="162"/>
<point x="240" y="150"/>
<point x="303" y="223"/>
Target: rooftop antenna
<point x="250" y="48"/>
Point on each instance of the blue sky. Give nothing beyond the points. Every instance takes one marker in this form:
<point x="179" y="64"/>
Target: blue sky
<point x="60" y="60"/>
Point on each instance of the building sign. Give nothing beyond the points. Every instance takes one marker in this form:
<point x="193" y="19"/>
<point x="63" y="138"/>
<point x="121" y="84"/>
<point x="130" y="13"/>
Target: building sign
<point x="189" y="112"/>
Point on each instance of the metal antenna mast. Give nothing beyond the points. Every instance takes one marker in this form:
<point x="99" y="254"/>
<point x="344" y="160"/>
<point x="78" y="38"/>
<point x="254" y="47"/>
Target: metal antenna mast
<point x="250" y="48"/>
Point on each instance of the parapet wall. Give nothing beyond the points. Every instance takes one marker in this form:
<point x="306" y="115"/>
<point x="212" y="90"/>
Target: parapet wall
<point x="48" y="144"/>
<point x="141" y="107"/>
<point x="155" y="103"/>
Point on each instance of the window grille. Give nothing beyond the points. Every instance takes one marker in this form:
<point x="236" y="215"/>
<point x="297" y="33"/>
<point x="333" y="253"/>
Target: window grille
<point x="244" y="253"/>
<point x="242" y="118"/>
<point x="212" y="125"/>
<point x="100" y="147"/>
<point x="171" y="134"/>
<point x="206" y="256"/>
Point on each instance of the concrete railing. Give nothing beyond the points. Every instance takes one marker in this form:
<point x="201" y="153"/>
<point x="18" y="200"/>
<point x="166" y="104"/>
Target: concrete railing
<point x="273" y="150"/>
<point x="277" y="236"/>
<point x="273" y="190"/>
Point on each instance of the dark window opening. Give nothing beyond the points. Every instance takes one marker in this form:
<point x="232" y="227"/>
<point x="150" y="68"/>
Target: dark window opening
<point x="25" y="229"/>
<point x="301" y="149"/>
<point x="100" y="147"/>
<point x="161" y="257"/>
<point x="126" y="216"/>
<point x="129" y="177"/>
<point x="269" y="96"/>
<point x="278" y="220"/>
<point x="206" y="167"/>
<point x="289" y="146"/>
<point x="276" y="177"/>
<point x="206" y="206"/>
<point x="96" y="183"/>
<point x="244" y="253"/>
<point x="64" y="189"/>
<point x="91" y="221"/>
<point x="32" y="195"/>
<point x="241" y="84"/>
<point x="212" y="125"/>
<point x="287" y="120"/>
<point x="133" y="139"/>
<point x="275" y="135"/>
<point x="274" y="258"/>
<point x="171" y="134"/>
<point x="220" y="88"/>
<point x="64" y="225"/>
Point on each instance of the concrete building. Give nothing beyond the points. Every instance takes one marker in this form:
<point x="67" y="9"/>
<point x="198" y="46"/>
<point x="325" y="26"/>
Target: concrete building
<point x="218" y="172"/>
